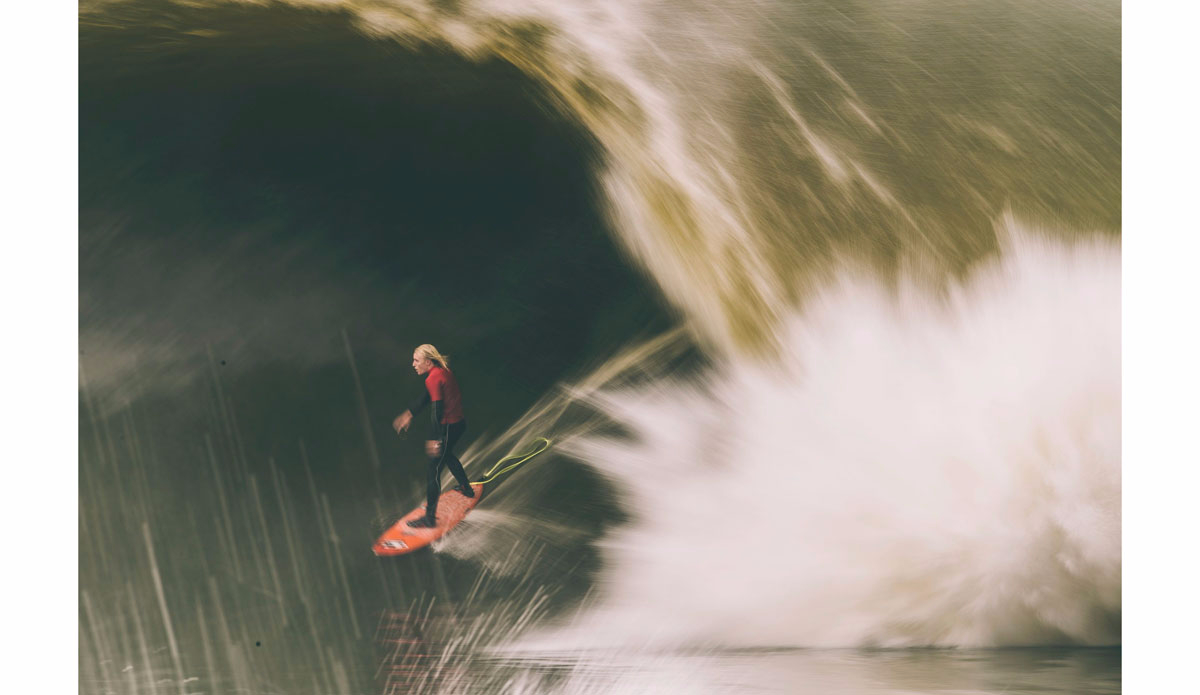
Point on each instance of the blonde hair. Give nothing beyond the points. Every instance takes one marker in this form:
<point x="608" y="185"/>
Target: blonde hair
<point x="431" y="353"/>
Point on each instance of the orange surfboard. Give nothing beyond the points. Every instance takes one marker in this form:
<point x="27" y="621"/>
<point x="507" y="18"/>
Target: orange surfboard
<point x="402" y="538"/>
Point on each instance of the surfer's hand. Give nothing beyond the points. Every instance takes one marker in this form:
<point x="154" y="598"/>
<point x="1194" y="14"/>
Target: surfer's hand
<point x="402" y="421"/>
<point x="433" y="447"/>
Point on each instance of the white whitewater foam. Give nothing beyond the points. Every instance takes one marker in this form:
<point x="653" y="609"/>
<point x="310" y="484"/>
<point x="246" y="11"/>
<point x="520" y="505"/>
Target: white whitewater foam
<point x="918" y="470"/>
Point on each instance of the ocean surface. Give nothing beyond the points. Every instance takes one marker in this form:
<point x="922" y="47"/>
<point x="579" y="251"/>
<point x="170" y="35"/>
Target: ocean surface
<point x="818" y="300"/>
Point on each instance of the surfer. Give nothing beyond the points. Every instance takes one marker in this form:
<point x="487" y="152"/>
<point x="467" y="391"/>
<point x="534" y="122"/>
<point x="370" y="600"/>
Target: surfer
<point x="446" y="427"/>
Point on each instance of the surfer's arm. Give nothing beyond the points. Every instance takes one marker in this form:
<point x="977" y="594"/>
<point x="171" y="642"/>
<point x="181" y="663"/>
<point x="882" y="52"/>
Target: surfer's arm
<point x="436" y="395"/>
<point x="419" y="402"/>
<point x="438" y="432"/>
<point x="403" y="420"/>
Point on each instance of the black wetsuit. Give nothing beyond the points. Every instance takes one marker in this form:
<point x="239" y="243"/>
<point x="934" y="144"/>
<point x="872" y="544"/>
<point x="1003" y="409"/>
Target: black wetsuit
<point x="447" y="433"/>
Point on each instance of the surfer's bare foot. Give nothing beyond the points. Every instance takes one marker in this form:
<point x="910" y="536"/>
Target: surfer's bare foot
<point x="466" y="490"/>
<point x="423" y="522"/>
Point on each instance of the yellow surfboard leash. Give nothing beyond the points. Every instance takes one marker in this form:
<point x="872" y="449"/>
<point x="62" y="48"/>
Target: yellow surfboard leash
<point x="540" y="445"/>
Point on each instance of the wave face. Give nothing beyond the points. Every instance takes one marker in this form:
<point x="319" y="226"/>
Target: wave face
<point x="914" y="471"/>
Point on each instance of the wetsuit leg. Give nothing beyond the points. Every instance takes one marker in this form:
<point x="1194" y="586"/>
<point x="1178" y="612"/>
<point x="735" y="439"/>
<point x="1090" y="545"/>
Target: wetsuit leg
<point x="453" y="434"/>
<point x="433" y="489"/>
<point x="433" y="486"/>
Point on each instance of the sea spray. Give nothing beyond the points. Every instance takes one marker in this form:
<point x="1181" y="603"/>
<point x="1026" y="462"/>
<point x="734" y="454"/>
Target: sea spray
<point x="918" y="469"/>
